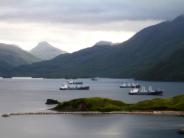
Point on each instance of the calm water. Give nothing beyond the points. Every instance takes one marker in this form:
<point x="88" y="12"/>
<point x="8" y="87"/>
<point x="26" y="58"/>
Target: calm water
<point x="30" y="95"/>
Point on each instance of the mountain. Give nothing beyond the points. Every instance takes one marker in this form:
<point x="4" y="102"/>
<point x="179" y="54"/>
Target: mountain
<point x="133" y="59"/>
<point x="171" y="69"/>
<point x="45" y="51"/>
<point x="11" y="56"/>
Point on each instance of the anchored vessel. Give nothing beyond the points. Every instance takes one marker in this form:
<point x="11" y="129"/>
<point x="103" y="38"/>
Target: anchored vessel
<point x="143" y="91"/>
<point x="130" y="85"/>
<point x="74" y="87"/>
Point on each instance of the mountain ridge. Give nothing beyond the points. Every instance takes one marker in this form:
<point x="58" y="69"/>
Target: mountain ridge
<point x="131" y="59"/>
<point x="12" y="56"/>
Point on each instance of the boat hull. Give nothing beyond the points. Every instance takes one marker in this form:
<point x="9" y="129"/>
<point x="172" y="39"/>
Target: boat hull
<point x="80" y="88"/>
<point x="156" y="93"/>
<point x="75" y="82"/>
<point x="137" y="86"/>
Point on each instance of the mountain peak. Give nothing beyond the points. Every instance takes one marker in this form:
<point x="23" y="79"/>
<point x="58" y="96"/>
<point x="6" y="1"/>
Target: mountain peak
<point x="103" y="43"/>
<point x="46" y="51"/>
<point x="44" y="44"/>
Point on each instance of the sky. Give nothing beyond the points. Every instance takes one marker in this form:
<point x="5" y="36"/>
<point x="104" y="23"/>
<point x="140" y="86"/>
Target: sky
<point x="72" y="25"/>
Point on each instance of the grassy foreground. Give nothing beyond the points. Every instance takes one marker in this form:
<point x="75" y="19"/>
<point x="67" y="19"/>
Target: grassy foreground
<point x="108" y="105"/>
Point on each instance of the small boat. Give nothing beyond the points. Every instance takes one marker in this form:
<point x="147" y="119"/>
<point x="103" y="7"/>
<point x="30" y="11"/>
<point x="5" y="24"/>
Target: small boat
<point x="94" y="79"/>
<point x="74" y="87"/>
<point x="130" y="85"/>
<point x="75" y="82"/>
<point x="143" y="91"/>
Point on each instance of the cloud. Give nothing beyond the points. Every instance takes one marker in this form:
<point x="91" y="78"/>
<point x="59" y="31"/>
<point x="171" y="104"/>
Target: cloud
<point x="88" y="11"/>
<point x="26" y="22"/>
<point x="28" y="35"/>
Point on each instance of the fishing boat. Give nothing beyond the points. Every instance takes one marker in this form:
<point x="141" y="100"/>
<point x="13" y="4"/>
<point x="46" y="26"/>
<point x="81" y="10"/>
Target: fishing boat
<point x="143" y="91"/>
<point x="130" y="85"/>
<point x="74" y="87"/>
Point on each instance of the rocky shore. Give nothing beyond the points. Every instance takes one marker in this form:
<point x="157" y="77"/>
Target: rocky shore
<point x="181" y="131"/>
<point x="165" y="113"/>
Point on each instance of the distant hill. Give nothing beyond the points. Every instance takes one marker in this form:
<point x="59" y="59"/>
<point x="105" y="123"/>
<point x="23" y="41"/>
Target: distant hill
<point x="45" y="51"/>
<point x="133" y="59"/>
<point x="12" y="56"/>
<point x="103" y="43"/>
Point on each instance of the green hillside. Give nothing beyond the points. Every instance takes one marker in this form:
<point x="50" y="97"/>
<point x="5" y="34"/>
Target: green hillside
<point x="108" y="105"/>
<point x="11" y="56"/>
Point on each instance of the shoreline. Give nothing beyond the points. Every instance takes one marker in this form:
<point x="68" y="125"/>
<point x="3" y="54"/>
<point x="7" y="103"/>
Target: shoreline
<point x="156" y="113"/>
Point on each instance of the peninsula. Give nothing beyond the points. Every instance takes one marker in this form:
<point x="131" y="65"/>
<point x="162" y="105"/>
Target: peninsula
<point x="108" y="105"/>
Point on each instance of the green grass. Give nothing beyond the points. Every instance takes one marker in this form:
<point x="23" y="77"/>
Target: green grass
<point x="108" y="105"/>
<point x="91" y="104"/>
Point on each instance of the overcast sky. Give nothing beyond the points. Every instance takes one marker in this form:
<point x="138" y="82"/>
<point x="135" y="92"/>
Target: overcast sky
<point x="75" y="24"/>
